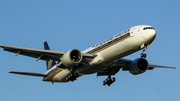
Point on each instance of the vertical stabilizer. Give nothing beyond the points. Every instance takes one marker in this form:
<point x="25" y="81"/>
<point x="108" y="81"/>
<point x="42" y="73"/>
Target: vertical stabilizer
<point x="49" y="63"/>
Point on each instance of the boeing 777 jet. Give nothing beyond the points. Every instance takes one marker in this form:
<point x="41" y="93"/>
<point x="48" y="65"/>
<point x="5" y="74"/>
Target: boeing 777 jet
<point x="104" y="58"/>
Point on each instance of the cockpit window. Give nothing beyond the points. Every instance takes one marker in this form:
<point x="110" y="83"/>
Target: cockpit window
<point x="148" y="28"/>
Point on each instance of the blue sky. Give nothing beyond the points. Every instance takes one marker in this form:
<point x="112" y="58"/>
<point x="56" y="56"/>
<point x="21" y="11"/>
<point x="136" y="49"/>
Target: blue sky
<point x="80" y="24"/>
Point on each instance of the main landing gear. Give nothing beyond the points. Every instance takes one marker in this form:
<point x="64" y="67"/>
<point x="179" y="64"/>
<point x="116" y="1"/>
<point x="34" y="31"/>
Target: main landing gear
<point x="73" y="75"/>
<point x="109" y="80"/>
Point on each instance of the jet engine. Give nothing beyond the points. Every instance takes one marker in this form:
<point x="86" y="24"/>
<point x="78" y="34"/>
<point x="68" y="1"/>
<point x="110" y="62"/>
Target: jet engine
<point x="138" y="66"/>
<point x="71" y="58"/>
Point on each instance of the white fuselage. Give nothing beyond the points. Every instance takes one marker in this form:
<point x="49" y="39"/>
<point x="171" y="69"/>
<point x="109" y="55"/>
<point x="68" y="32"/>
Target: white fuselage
<point x="115" y="47"/>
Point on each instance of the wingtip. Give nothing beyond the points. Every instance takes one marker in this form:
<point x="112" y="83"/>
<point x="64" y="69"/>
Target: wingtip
<point x="10" y="72"/>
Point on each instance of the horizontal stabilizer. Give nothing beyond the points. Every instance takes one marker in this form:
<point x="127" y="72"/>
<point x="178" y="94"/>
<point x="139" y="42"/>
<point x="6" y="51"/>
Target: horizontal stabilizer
<point x="29" y="73"/>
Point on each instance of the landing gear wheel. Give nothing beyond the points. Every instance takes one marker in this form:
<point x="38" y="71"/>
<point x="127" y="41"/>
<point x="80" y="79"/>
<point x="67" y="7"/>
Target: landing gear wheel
<point x="144" y="47"/>
<point x="143" y="55"/>
<point x="104" y="83"/>
<point x="109" y="81"/>
<point x="113" y="79"/>
<point x="71" y="77"/>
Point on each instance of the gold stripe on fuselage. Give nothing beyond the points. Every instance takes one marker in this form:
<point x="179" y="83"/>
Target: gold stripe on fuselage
<point x="109" y="44"/>
<point x="51" y="74"/>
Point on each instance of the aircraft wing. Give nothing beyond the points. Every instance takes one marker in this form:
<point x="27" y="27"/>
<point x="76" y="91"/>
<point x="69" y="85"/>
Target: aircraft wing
<point x="115" y="66"/>
<point x="124" y="63"/>
<point x="39" y="53"/>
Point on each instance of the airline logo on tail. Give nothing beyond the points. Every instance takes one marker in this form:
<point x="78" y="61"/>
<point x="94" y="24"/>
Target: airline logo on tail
<point x="50" y="63"/>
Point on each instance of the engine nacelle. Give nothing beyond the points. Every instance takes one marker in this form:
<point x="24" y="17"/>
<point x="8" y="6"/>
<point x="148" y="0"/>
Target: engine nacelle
<point x="71" y="58"/>
<point x="138" y="66"/>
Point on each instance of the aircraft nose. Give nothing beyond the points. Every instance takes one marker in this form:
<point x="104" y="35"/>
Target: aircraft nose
<point x="151" y="35"/>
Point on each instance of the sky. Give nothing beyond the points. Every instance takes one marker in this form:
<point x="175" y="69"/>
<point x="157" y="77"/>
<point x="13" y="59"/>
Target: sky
<point x="80" y="24"/>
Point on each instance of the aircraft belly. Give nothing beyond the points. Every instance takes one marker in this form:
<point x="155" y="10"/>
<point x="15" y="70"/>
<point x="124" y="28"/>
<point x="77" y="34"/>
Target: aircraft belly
<point x="60" y="77"/>
<point x="91" y="69"/>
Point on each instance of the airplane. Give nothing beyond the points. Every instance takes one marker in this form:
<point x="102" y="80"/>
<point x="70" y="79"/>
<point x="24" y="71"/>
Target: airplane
<point x="105" y="58"/>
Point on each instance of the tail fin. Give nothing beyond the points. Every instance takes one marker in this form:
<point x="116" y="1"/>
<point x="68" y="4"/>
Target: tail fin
<point x="49" y="63"/>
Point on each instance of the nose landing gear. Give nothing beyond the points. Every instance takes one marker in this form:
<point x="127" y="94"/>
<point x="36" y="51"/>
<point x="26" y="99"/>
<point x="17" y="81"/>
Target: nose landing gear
<point x="144" y="47"/>
<point x="143" y="55"/>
